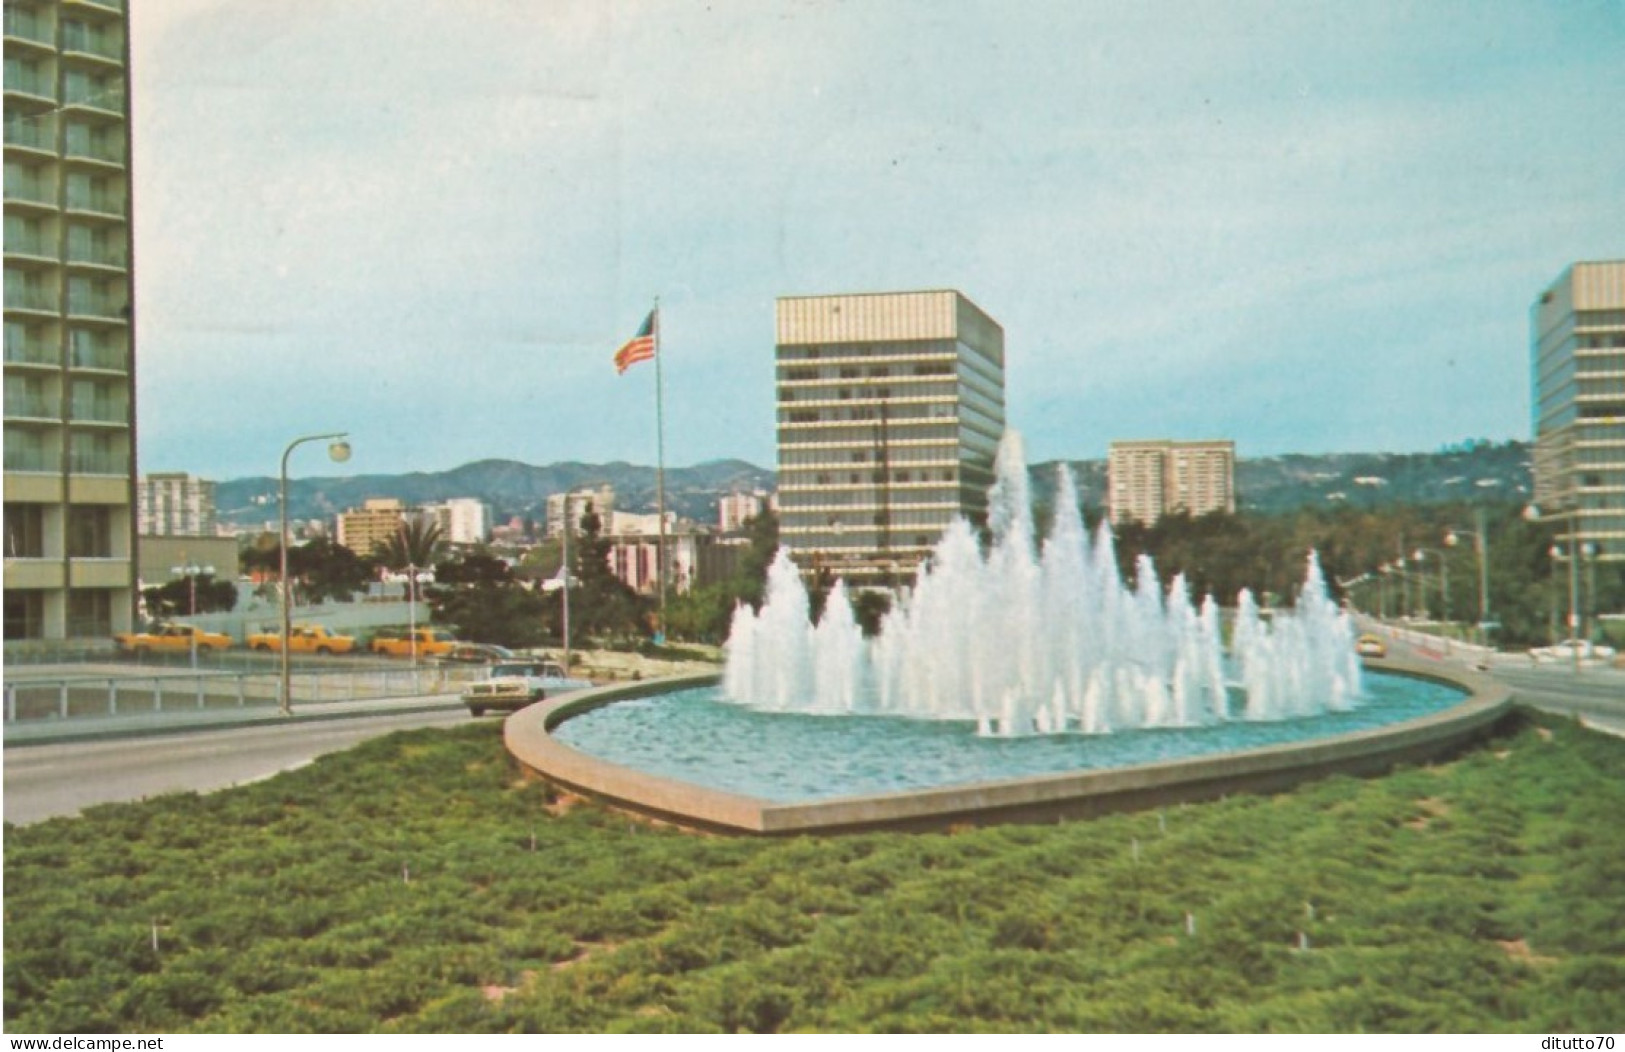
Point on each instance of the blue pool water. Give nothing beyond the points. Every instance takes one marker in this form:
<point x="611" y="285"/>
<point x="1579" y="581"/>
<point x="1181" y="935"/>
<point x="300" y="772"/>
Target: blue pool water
<point x="694" y="737"/>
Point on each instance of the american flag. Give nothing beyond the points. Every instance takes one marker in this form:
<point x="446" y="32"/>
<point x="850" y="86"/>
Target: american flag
<point x="639" y="348"/>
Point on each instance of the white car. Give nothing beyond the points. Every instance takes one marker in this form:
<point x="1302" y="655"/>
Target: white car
<point x="1566" y="650"/>
<point x="511" y="685"/>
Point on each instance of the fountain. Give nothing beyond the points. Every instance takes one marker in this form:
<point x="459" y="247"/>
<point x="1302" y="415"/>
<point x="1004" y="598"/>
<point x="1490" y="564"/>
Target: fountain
<point x="1025" y="680"/>
<point x="1022" y="641"/>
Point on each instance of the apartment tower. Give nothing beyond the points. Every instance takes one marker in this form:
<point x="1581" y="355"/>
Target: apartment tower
<point x="890" y="409"/>
<point x="70" y="361"/>
<point x="173" y="503"/>
<point x="1147" y="480"/>
<point x="1577" y="352"/>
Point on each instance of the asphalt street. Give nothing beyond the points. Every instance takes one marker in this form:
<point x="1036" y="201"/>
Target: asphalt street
<point x="62" y="778"/>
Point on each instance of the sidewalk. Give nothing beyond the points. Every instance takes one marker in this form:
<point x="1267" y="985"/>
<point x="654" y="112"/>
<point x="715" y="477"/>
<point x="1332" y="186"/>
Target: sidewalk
<point x="139" y="725"/>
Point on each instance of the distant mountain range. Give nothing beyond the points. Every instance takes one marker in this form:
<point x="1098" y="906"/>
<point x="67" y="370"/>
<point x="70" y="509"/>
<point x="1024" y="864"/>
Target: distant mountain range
<point x="1472" y="471"/>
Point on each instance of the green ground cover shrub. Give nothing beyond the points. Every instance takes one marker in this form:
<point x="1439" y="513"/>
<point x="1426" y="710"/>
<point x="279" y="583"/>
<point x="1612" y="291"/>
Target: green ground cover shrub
<point x="418" y="884"/>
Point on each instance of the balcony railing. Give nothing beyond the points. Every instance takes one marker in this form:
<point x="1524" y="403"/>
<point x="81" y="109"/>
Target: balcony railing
<point x="24" y="298"/>
<point x="22" y="459"/>
<point x="24" y="26"/>
<point x="98" y="462"/>
<point x="97" y="255"/>
<point x="109" y="98"/>
<point x="103" y="203"/>
<point x="27" y="245"/>
<point x="35" y="132"/>
<point x="35" y="406"/>
<point x="33" y="191"/>
<point x="103" y="151"/>
<point x="101" y="411"/>
<point x="99" y="358"/>
<point x="25" y="353"/>
<point x="95" y="306"/>
<point x="29" y="83"/>
<point x="80" y="39"/>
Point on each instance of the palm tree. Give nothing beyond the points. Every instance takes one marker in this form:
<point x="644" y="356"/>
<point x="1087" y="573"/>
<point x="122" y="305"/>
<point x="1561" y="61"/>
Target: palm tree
<point x="416" y="544"/>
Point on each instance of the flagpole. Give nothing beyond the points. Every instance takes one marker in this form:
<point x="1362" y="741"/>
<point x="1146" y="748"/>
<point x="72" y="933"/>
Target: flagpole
<point x="660" y="476"/>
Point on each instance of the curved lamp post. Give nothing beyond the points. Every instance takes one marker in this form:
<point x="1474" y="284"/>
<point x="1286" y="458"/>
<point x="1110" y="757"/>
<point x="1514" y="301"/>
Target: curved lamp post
<point x="1533" y="514"/>
<point x="339" y="450"/>
<point x="1481" y="546"/>
<point x="190" y="572"/>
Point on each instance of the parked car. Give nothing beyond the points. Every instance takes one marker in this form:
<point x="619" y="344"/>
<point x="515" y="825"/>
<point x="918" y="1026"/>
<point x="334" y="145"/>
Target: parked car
<point x="303" y="639"/>
<point x="511" y="685"/>
<point x="477" y="654"/>
<point x="425" y="642"/>
<point x="1370" y="646"/>
<point x="1565" y="651"/>
<point x="171" y="639"/>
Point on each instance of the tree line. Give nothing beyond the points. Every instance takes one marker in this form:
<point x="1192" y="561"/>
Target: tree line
<point x="1395" y="561"/>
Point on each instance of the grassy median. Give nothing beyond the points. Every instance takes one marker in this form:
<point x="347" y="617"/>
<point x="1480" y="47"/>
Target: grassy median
<point x="417" y="883"/>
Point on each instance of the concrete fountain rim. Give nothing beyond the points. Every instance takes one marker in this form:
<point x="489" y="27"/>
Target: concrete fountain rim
<point x="1049" y="797"/>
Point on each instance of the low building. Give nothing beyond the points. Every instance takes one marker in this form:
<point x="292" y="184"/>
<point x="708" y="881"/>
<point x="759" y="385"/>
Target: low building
<point x="160" y="560"/>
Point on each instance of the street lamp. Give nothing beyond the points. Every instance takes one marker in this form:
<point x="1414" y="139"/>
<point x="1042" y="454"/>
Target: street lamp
<point x="1533" y="514"/>
<point x="339" y="450"/>
<point x="190" y="572"/>
<point x="1420" y="555"/>
<point x="1481" y="545"/>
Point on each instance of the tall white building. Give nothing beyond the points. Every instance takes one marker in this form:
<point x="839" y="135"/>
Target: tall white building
<point x="737" y="508"/>
<point x="462" y="520"/>
<point x="602" y="499"/>
<point x="1577" y="354"/>
<point x="890" y="410"/>
<point x="1147" y="480"/>
<point x="175" y="504"/>
<point x="70" y="356"/>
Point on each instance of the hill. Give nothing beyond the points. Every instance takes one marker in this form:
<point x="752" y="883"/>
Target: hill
<point x="1471" y="471"/>
<point x="1475" y="471"/>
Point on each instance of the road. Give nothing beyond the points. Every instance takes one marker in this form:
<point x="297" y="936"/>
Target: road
<point x="1595" y="694"/>
<point x="45" y="781"/>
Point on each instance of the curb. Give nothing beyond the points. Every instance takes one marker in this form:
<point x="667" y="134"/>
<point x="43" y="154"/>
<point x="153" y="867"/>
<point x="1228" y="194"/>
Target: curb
<point x="58" y="732"/>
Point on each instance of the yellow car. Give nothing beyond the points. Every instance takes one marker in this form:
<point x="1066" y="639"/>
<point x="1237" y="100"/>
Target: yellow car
<point x="171" y="639"/>
<point x="1371" y="646"/>
<point x="303" y="639"/>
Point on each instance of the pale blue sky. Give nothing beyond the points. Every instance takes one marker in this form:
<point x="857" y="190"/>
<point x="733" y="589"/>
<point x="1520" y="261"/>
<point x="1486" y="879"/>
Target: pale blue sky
<point x="1307" y="227"/>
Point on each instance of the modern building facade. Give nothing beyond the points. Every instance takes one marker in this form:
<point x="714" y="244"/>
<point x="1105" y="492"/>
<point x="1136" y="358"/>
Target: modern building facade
<point x="601" y="499"/>
<point x="363" y="529"/>
<point x="175" y="504"/>
<point x="890" y="410"/>
<point x="1147" y="480"/>
<point x="1577" y="354"/>
<point x="70" y="357"/>
<point x="737" y="508"/>
<point x="462" y="520"/>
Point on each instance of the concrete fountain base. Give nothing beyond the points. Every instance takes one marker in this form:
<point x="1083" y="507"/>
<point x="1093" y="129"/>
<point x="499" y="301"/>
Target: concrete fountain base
<point x="528" y="737"/>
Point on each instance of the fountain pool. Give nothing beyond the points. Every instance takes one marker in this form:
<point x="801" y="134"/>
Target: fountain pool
<point x="696" y="736"/>
<point x="1019" y="681"/>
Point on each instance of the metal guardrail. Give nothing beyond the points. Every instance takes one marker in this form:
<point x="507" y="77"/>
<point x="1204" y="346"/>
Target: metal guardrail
<point x="75" y="697"/>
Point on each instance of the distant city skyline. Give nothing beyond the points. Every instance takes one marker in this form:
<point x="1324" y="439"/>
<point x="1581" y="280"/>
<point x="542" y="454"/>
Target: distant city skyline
<point x="1307" y="228"/>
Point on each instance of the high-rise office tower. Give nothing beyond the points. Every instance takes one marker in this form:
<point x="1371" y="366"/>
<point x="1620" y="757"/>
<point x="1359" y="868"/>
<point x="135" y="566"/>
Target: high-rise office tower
<point x="70" y="362"/>
<point x="890" y="410"/>
<point x="1577" y="353"/>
